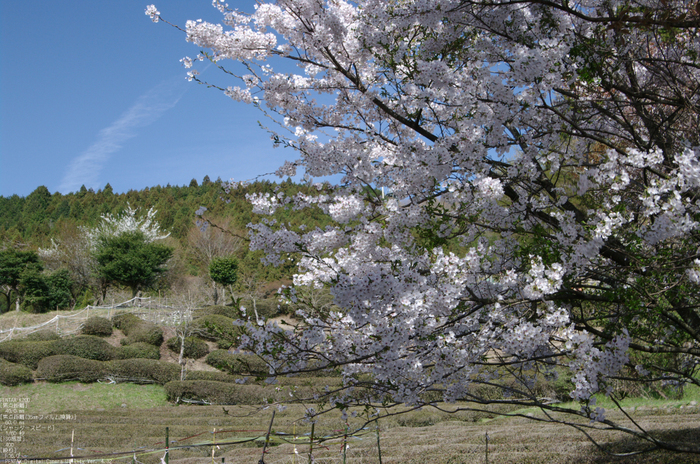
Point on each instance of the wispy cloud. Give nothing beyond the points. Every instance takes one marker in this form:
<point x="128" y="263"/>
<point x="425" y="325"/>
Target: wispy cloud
<point x="85" y="168"/>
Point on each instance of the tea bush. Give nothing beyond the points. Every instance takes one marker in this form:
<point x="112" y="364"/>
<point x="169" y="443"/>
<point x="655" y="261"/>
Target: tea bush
<point x="62" y="368"/>
<point x="143" y="371"/>
<point x="194" y="347"/>
<point x="266" y="308"/>
<point x="219" y="392"/>
<point x="28" y="353"/>
<point x="137" y="350"/>
<point x="98" y="326"/>
<point x="209" y="375"/>
<point x="227" y="311"/>
<point x="42" y="336"/>
<point x="85" y="346"/>
<point x="126" y="321"/>
<point x="237" y="364"/>
<point x="12" y="374"/>
<point x="219" y="329"/>
<point x="145" y="332"/>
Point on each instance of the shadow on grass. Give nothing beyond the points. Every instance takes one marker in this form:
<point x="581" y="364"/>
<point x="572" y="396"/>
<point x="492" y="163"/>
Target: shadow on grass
<point x="688" y="436"/>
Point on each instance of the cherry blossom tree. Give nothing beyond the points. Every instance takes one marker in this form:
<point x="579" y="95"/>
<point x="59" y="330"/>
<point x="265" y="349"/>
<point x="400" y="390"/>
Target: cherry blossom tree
<point x="543" y="160"/>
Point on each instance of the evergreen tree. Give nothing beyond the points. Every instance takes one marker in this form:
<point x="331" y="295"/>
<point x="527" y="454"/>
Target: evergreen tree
<point x="130" y="259"/>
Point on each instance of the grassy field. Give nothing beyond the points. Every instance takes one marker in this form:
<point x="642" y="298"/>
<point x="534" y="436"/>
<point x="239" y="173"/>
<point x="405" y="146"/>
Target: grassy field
<point x="108" y="418"/>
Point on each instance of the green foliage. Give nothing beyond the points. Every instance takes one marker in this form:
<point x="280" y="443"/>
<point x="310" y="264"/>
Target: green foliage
<point x="85" y="346"/>
<point x="219" y="329"/>
<point x="237" y="364"/>
<point x="130" y="260"/>
<point x="28" y="353"/>
<point x="228" y="311"/>
<point x="209" y="375"/>
<point x="194" y="347"/>
<point x="45" y="292"/>
<point x="143" y="371"/>
<point x="35" y="290"/>
<point x="145" y="332"/>
<point x="137" y="330"/>
<point x="16" y="265"/>
<point x="219" y="392"/>
<point x="43" y="335"/>
<point x="61" y="368"/>
<point x="224" y="271"/>
<point x="95" y="325"/>
<point x="126" y="321"/>
<point x="59" y="289"/>
<point x="137" y="350"/>
<point x="12" y="374"/>
<point x="39" y="217"/>
<point x="267" y="308"/>
<point x="14" y="262"/>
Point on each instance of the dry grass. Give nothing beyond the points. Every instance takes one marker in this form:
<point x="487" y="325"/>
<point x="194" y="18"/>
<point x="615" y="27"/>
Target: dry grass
<point x="111" y="418"/>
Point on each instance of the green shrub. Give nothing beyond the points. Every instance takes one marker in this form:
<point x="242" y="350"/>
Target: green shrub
<point x="85" y="346"/>
<point x="227" y="311"/>
<point x="209" y="375"/>
<point x="137" y="350"/>
<point x="266" y="308"/>
<point x="145" y="332"/>
<point x="126" y="321"/>
<point x="12" y="374"/>
<point x="194" y="347"/>
<point x="62" y="368"/>
<point x="42" y="336"/>
<point x="219" y="329"/>
<point x="237" y="364"/>
<point x="28" y="353"/>
<point x="98" y="326"/>
<point x="143" y="371"/>
<point x="220" y="392"/>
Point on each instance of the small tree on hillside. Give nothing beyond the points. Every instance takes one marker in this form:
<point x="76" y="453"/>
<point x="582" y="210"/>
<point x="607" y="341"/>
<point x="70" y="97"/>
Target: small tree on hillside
<point x="224" y="271"/>
<point x="129" y="259"/>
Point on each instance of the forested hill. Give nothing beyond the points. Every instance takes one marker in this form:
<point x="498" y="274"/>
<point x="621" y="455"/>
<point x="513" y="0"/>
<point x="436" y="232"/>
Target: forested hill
<point x="35" y="219"/>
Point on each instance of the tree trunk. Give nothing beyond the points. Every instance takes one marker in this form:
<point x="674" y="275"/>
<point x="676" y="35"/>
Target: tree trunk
<point x="181" y="359"/>
<point x="216" y="293"/>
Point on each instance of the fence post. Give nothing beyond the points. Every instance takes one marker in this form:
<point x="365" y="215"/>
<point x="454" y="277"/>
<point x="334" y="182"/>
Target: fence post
<point x="487" y="448"/>
<point x="345" y="441"/>
<point x="379" y="448"/>
<point x="213" y="447"/>
<point x="311" y="443"/>
<point x="167" y="445"/>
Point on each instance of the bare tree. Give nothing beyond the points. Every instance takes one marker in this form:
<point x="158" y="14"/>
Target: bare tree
<point x="207" y="244"/>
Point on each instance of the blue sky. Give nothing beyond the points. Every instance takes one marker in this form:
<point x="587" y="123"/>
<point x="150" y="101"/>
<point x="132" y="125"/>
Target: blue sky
<point x="93" y="92"/>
